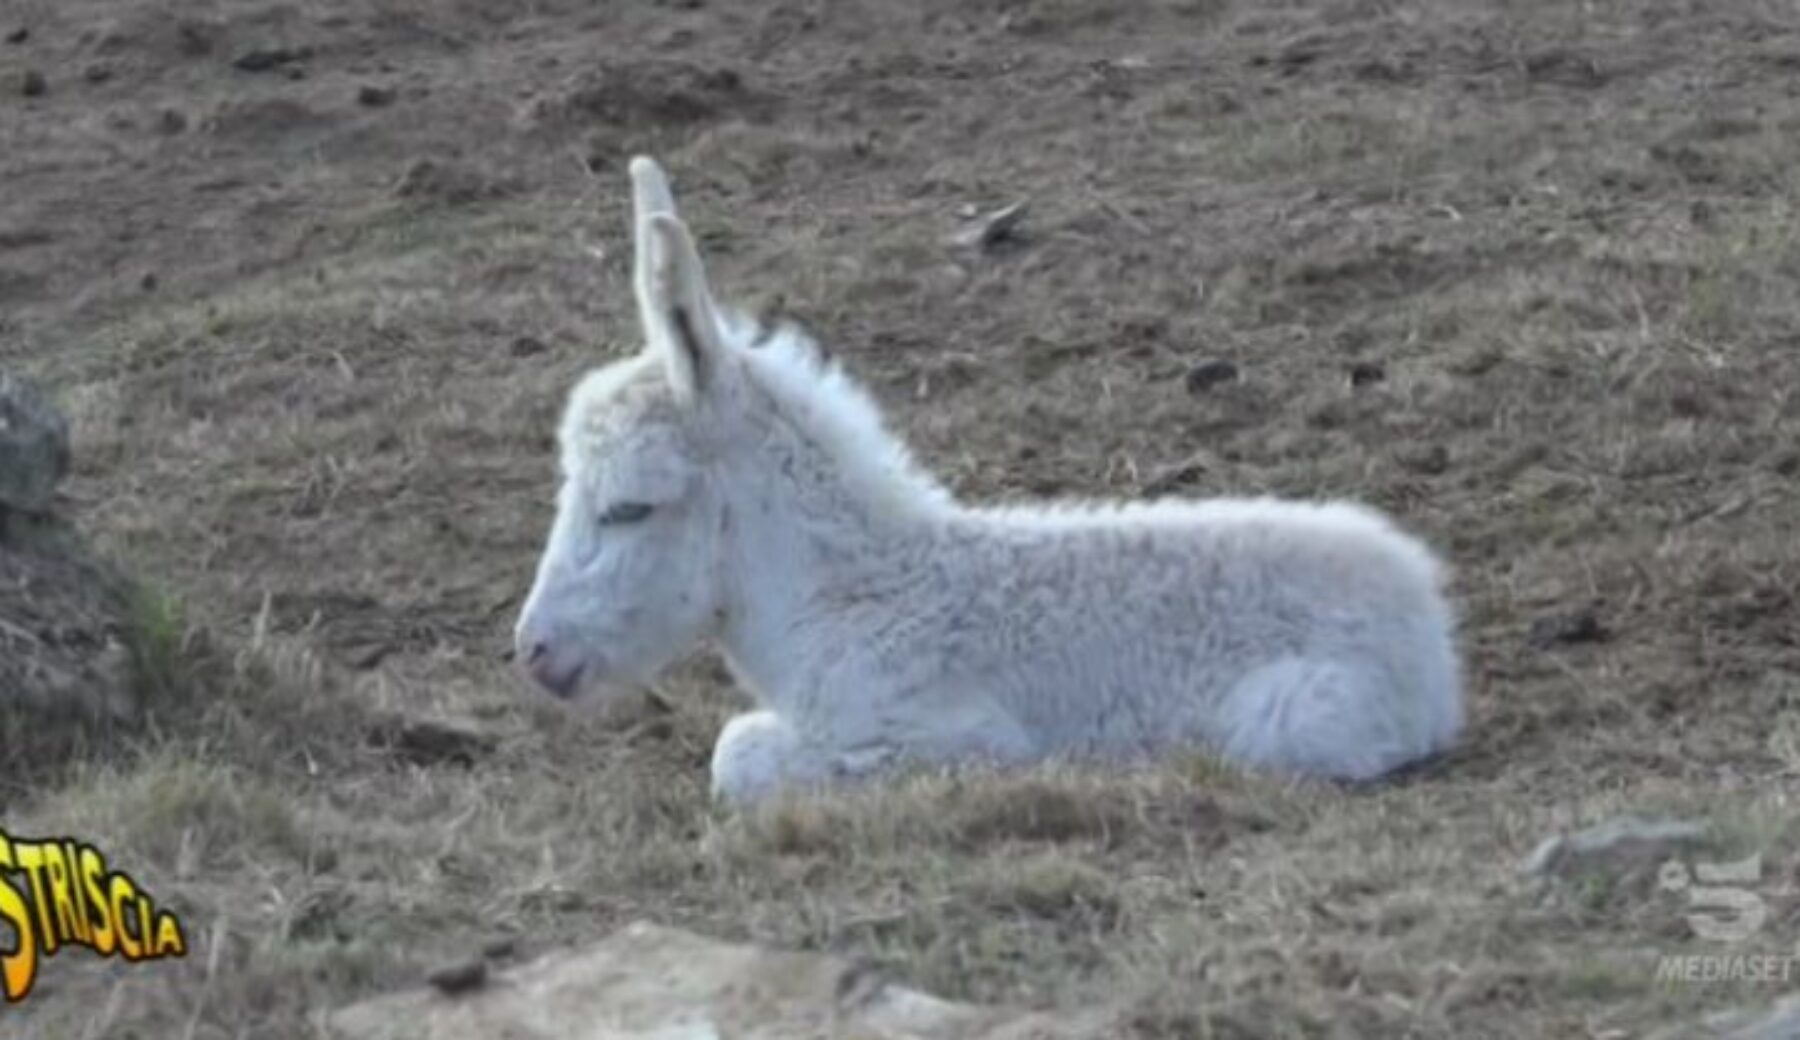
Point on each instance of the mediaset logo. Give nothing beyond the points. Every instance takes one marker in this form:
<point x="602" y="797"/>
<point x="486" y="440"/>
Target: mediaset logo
<point x="1723" y="907"/>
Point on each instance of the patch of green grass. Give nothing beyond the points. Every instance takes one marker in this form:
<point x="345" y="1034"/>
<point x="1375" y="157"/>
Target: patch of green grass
<point x="1594" y="890"/>
<point x="156" y="633"/>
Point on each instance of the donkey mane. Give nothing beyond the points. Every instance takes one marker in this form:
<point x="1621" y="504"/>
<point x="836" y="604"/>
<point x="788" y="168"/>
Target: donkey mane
<point x="826" y="406"/>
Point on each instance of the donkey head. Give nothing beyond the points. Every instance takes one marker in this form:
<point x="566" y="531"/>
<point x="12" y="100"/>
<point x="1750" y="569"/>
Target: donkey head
<point x="629" y="577"/>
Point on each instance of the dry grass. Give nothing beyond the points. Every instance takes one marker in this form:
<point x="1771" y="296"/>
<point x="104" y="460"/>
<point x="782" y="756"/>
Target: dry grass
<point x="1558" y="243"/>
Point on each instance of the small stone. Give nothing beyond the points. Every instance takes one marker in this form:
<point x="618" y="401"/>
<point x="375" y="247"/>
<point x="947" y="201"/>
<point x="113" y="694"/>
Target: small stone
<point x="1171" y="479"/>
<point x="32" y="83"/>
<point x="460" y="976"/>
<point x="171" y="121"/>
<point x="371" y="96"/>
<point x="1581" y="625"/>
<point x="267" y="58"/>
<point x="97" y="73"/>
<point x="1208" y="374"/>
<point x="1366" y="373"/>
<point x="25" y="237"/>
<point x="527" y="346"/>
<point x="500" y="947"/>
<point x="424" y="742"/>
<point x="1430" y="459"/>
<point x="992" y="229"/>
<point x="19" y="35"/>
<point x="148" y="282"/>
<point x="1782" y="1022"/>
<point x="370" y="656"/>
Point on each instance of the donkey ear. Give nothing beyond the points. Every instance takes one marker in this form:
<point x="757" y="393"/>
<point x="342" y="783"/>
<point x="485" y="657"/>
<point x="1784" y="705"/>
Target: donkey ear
<point x="650" y="195"/>
<point x="681" y="323"/>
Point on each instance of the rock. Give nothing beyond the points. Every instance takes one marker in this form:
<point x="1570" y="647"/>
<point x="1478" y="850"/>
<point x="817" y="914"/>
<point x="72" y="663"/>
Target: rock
<point x="1781" y="1023"/>
<point x="171" y="121"/>
<point x="1367" y="373"/>
<point x="266" y="59"/>
<point x="34" y="447"/>
<point x="371" y="96"/>
<point x="1580" y="625"/>
<point x="19" y="35"/>
<point x="32" y="83"/>
<point x="646" y="980"/>
<point x="25" y="237"/>
<point x="1566" y="67"/>
<point x="423" y="742"/>
<point x="500" y="947"/>
<point x="1208" y="374"/>
<point x="1628" y="844"/>
<point x="64" y="620"/>
<point x="97" y="73"/>
<point x="991" y="229"/>
<point x="1430" y="459"/>
<point x="68" y="629"/>
<point x="1171" y="479"/>
<point x="460" y="977"/>
<point x="527" y="346"/>
<point x="370" y="655"/>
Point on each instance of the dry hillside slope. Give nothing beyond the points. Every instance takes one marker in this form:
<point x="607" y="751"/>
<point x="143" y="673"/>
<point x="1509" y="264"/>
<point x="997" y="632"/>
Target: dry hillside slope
<point x="311" y="276"/>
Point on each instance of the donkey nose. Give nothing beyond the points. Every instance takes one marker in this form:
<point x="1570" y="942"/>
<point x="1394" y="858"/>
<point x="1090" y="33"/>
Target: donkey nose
<point x="541" y="665"/>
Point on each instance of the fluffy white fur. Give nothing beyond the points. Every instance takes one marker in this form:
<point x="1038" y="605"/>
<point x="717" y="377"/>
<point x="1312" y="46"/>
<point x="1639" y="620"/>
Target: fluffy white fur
<point x="728" y="483"/>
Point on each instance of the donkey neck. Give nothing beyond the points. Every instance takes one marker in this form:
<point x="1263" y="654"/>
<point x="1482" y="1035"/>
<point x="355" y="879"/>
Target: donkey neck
<point x="799" y="538"/>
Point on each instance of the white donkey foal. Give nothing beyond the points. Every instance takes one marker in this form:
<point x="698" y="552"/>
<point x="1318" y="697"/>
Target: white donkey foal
<point x="730" y="483"/>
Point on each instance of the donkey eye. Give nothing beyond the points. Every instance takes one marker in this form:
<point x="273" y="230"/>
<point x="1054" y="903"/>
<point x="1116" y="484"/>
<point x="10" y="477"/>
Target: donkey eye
<point x="626" y="513"/>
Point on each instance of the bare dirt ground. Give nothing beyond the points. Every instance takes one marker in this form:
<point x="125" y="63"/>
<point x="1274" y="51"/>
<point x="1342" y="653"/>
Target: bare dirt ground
<point x="312" y="277"/>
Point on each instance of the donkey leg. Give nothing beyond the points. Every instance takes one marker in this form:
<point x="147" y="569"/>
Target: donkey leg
<point x="1323" y="717"/>
<point x="759" y="754"/>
